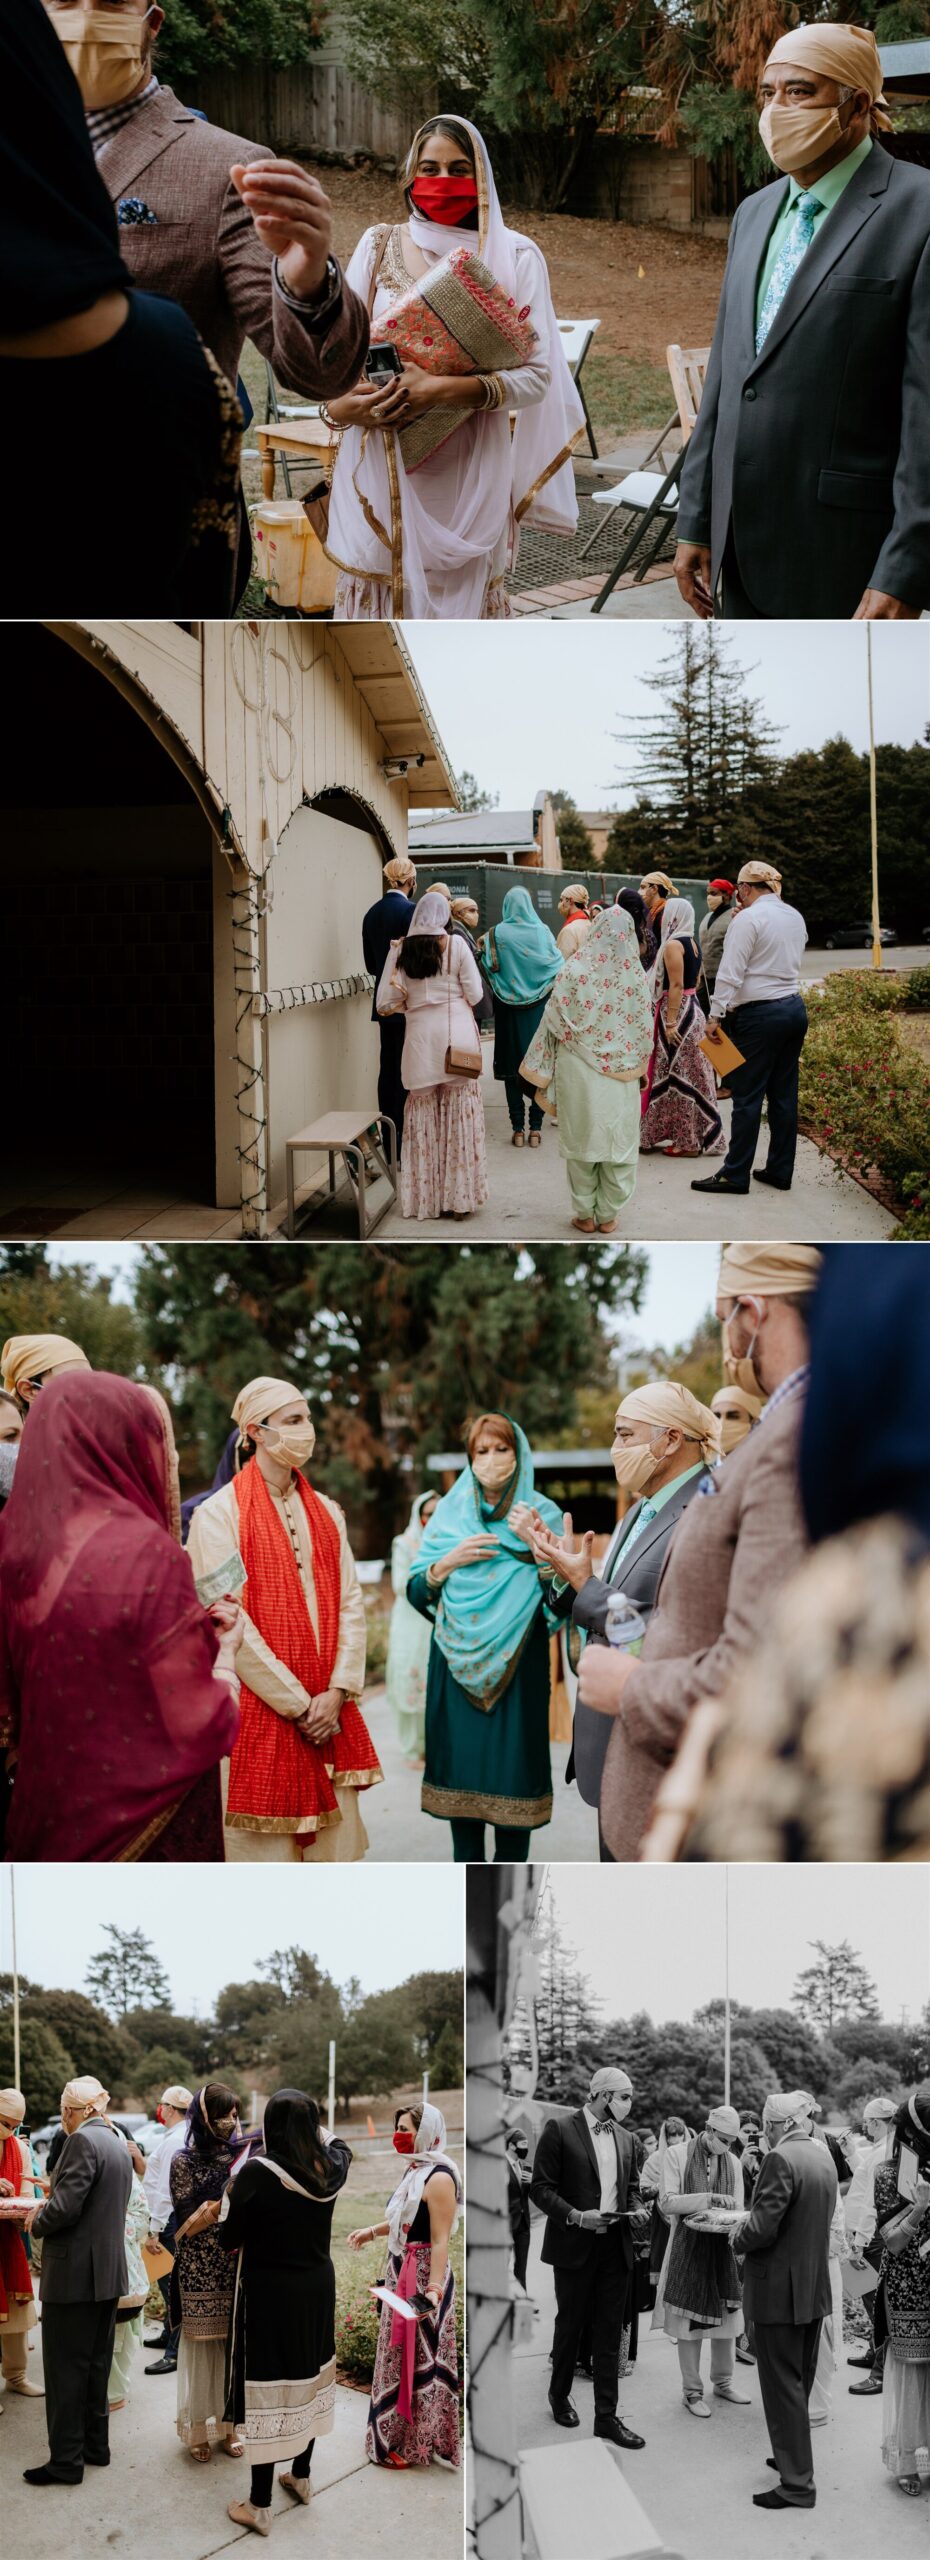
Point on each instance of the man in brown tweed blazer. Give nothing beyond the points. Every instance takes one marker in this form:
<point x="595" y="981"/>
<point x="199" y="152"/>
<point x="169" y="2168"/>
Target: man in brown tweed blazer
<point x="729" y="1554"/>
<point x="241" y="240"/>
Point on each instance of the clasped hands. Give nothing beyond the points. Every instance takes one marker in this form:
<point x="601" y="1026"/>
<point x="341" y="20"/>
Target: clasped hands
<point x="321" y="1717"/>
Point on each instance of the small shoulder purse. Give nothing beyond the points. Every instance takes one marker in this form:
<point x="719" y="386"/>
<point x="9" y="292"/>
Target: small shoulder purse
<point x="459" y="1062"/>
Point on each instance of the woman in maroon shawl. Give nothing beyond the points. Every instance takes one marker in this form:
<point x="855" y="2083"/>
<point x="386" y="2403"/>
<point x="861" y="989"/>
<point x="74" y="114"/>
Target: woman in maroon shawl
<point x="118" y="1700"/>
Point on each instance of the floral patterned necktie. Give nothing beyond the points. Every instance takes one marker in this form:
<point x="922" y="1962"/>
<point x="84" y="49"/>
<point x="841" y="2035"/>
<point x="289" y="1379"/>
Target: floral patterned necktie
<point x="792" y="250"/>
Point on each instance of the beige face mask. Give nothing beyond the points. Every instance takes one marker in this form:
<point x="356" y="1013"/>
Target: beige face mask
<point x="634" y="1464"/>
<point x="106" y="51"/>
<point x="739" y="1372"/>
<point x="731" y="1433"/>
<point x="796" y="136"/>
<point x="494" y="1469"/>
<point x="295" y="1444"/>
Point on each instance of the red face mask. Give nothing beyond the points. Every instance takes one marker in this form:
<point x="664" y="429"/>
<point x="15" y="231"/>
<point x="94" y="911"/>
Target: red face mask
<point x="445" y="200"/>
<point x="404" y="2141"/>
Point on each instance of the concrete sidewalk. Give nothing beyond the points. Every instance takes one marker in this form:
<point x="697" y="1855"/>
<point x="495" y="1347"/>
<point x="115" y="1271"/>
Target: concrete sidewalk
<point x="697" y="2482"/>
<point x="398" y="1829"/>
<point x="529" y="1197"/>
<point x="154" y="2499"/>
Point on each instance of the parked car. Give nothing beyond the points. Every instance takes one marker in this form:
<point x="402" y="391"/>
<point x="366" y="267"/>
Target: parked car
<point x="856" y="937"/>
<point x="143" y="2131"/>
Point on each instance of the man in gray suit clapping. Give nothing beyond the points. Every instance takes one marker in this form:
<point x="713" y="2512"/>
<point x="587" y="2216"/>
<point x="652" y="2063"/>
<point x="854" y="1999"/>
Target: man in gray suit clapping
<point x="82" y="2230"/>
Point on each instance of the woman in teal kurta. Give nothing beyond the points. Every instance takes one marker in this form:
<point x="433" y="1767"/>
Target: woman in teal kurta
<point x="487" y="1693"/>
<point x="521" y="960"/>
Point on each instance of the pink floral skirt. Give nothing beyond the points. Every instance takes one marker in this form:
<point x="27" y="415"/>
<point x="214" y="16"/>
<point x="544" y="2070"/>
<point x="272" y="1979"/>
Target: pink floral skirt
<point x="443" y="1169"/>
<point x="681" y="1115"/>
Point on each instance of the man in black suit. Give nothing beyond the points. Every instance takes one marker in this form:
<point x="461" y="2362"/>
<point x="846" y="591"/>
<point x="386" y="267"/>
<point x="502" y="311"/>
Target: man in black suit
<point x="518" y="2202"/>
<point x="786" y="2286"/>
<point x="586" y="2182"/>
<point x="83" y="2233"/>
<point x="805" y="488"/>
<point x="387" y="922"/>
<point x="664" y="1441"/>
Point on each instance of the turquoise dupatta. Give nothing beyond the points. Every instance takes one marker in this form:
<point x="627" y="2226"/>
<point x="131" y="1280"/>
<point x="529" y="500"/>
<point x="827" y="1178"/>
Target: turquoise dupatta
<point x="520" y="957"/>
<point x="485" y="1611"/>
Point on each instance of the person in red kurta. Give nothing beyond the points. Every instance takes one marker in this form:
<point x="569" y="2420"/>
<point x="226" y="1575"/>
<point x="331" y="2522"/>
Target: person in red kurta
<point x="17" y="2305"/>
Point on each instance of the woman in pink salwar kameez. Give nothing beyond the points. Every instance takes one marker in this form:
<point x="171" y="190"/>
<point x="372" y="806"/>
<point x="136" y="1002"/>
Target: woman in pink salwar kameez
<point x="433" y="978"/>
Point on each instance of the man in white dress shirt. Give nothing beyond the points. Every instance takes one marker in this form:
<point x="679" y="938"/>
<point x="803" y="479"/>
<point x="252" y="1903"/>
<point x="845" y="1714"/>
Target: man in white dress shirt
<point x="757" y="999"/>
<point x="157" y="2185"/>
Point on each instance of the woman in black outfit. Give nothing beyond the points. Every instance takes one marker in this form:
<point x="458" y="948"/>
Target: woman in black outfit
<point x="119" y="432"/>
<point x="279" y="2214"/>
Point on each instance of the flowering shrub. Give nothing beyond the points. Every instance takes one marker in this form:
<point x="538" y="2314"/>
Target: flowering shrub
<point x="865" y="1093"/>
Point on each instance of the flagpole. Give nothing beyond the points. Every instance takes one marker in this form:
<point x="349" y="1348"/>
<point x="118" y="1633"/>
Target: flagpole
<point x="873" y="807"/>
<point x="726" y="1986"/>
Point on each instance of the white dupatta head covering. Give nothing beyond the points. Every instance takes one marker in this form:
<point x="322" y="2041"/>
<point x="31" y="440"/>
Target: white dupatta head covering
<point x="446" y="521"/>
<point x="430" y="915"/>
<point x="430" y="2154"/>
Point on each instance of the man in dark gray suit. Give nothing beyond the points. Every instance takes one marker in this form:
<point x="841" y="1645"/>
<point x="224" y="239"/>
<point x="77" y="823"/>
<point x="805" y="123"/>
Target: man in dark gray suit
<point x="805" y="489"/>
<point x="82" y="2229"/>
<point x="664" y="1441"/>
<point x="786" y="2286"/>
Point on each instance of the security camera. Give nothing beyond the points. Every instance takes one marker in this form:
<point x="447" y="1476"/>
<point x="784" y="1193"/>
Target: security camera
<point x="394" y="768"/>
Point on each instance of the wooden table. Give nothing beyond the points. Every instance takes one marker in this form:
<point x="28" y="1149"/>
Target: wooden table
<point x="304" y="440"/>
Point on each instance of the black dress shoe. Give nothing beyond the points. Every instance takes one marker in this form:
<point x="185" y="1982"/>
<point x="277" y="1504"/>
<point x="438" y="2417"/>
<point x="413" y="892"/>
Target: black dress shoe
<point x="773" y="2498"/>
<point x="166" y="2364"/>
<point x="98" y="2461"/>
<point x="866" y="2362"/>
<point x="720" y="1182"/>
<point x="53" y="2475"/>
<point x="771" y="1179"/>
<point x="564" y="2413"/>
<point x="867" y="2390"/>
<point x="615" y="2432"/>
<point x="152" y="2344"/>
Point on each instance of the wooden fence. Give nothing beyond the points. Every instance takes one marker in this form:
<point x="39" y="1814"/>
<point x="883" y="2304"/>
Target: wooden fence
<point x="317" y="108"/>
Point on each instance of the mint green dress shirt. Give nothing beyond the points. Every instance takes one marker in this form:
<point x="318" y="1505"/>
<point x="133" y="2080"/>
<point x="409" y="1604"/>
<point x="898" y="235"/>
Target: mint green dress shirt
<point x="829" y="189"/>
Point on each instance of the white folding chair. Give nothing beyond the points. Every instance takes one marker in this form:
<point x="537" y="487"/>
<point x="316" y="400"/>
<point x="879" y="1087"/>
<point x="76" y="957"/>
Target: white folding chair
<point x="577" y="338"/>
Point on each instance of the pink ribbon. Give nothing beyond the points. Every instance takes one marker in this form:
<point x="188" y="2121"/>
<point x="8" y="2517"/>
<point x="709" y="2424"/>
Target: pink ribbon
<point x="404" y="2332"/>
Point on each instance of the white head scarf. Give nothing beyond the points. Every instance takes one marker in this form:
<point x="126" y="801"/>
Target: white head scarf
<point x="431" y="913"/>
<point x="451" y="514"/>
<point x="430" y="2154"/>
<point x="677" y="917"/>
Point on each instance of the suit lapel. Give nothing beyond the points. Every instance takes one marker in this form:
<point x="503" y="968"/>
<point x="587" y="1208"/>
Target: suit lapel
<point x="857" y="203"/>
<point x="587" y="2138"/>
<point x="141" y="140"/>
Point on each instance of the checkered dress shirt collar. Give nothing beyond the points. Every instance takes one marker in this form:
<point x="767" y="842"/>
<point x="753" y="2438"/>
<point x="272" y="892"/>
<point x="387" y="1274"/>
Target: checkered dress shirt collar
<point x="103" y="122"/>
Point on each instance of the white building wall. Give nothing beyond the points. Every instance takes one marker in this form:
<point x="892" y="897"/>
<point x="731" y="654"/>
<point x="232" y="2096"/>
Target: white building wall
<point x="322" y="1057"/>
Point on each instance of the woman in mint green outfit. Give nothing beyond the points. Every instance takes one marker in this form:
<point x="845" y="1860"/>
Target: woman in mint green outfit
<point x="408" y="1638"/>
<point x="521" y="960"/>
<point x="487" y="1696"/>
<point x="588" y="1059"/>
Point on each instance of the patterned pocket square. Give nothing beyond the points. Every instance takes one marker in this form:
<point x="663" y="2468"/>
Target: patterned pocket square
<point x="133" y="209"/>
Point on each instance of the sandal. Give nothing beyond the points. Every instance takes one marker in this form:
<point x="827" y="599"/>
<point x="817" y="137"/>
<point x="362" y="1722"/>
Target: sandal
<point x="231" y="2446"/>
<point x="535" y="1137"/>
<point x="257" y="2519"/>
<point x="910" y="2486"/>
<point x="607" y="1226"/>
<point x="585" y="1226"/>
<point x="200" y="2452"/>
<point x="298" y="2488"/>
<point x="517" y="1139"/>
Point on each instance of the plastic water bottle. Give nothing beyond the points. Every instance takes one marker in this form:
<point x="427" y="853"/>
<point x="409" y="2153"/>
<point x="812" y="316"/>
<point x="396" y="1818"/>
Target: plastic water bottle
<point x="623" y="1625"/>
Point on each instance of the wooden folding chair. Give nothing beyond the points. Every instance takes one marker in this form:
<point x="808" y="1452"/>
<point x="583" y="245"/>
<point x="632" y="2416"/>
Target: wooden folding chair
<point x="654" y="499"/>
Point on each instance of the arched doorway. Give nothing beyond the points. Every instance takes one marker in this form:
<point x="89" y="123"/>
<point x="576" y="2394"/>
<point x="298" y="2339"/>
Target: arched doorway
<point x="109" y="887"/>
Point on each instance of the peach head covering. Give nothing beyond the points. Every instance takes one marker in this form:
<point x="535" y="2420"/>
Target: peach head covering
<point x="768" y="1270"/>
<point x="753" y="872"/>
<point x="35" y="1355"/>
<point x="261" y="1399"/>
<point x="86" y="2096"/>
<point x="667" y="1406"/>
<point x="847" y="54"/>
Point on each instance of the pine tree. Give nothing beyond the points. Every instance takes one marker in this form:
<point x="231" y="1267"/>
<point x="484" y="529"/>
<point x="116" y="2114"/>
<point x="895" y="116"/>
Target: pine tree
<point x="127" y="1973"/>
<point x="37" y="1296"/>
<point x="836" y="1986"/>
<point x="711" y="743"/>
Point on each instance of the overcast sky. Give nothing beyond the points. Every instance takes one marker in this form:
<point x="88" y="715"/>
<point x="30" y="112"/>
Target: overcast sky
<point x="681" y="1284"/>
<point x="532" y="706"/>
<point x="377" y="1922"/>
<point x="653" y="1937"/>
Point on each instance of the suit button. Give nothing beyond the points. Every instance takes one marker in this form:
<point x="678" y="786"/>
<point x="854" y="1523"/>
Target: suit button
<point x="749" y="393"/>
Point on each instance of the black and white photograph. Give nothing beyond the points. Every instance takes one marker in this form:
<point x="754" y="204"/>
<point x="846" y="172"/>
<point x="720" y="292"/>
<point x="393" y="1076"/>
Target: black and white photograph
<point x="698" y="2130"/>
